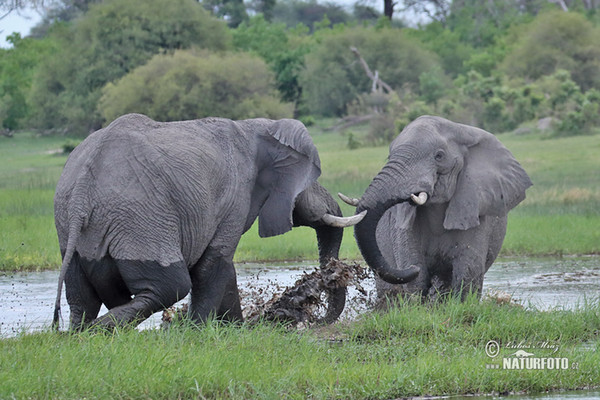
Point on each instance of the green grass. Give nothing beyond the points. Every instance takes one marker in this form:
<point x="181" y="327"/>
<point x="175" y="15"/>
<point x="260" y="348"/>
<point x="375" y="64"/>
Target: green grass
<point x="29" y="169"/>
<point x="409" y="351"/>
<point x="561" y="214"/>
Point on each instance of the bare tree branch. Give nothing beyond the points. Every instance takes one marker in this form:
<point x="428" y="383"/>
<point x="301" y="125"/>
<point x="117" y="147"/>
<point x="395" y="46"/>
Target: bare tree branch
<point x="377" y="81"/>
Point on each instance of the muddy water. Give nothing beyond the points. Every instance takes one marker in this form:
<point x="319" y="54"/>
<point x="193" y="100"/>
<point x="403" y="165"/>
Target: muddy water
<point x="27" y="299"/>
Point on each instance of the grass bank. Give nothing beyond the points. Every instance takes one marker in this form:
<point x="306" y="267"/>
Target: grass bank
<point x="561" y="214"/>
<point x="410" y="351"/>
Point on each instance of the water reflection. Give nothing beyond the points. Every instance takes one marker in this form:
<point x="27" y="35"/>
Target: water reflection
<point x="27" y="299"/>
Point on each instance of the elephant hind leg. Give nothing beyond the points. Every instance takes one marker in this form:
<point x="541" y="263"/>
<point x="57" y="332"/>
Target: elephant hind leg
<point x="83" y="300"/>
<point x="154" y="288"/>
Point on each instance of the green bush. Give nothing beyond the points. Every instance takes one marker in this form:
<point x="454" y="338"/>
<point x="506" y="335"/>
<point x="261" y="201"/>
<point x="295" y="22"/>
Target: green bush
<point x="70" y="145"/>
<point x="195" y="84"/>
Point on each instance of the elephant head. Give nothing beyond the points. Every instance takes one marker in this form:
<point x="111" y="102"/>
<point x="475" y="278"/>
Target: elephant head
<point x="465" y="170"/>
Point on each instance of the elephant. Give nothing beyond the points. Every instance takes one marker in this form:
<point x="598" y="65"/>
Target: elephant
<point x="437" y="210"/>
<point x="146" y="211"/>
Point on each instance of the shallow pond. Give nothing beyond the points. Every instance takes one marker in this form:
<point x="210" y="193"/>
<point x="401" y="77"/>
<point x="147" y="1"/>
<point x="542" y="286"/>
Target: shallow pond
<point x="27" y="299"/>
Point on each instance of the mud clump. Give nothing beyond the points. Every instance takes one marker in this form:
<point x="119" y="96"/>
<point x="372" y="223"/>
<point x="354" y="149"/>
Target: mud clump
<point x="317" y="297"/>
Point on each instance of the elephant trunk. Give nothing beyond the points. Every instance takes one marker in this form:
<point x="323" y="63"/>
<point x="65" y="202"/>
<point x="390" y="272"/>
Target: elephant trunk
<point x="376" y="204"/>
<point x="329" y="240"/>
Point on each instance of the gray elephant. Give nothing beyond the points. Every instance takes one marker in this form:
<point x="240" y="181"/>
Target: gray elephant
<point x="146" y="211"/>
<point x="437" y="211"/>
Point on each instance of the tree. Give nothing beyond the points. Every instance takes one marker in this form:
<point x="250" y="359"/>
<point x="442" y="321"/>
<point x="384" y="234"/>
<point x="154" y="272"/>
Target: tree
<point x="309" y="13"/>
<point x="8" y="6"/>
<point x="557" y="40"/>
<point x="281" y="49"/>
<point x="192" y="84"/>
<point x="60" y="11"/>
<point x="233" y="11"/>
<point x="333" y="78"/>
<point x="111" y="40"/>
<point x="17" y="66"/>
<point x="436" y="10"/>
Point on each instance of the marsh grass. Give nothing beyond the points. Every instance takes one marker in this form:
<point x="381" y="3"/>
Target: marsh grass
<point x="561" y="214"/>
<point x="411" y="350"/>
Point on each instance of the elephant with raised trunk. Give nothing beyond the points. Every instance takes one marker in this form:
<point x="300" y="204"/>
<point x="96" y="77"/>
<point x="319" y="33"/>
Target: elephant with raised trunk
<point x="146" y="211"/>
<point x="437" y="211"/>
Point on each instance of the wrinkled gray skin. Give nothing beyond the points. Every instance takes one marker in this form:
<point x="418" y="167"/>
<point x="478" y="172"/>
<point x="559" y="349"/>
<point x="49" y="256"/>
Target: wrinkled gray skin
<point x="448" y="243"/>
<point x="146" y="211"/>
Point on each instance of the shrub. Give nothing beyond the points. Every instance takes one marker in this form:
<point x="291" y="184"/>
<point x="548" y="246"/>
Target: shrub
<point x="194" y="84"/>
<point x="69" y="146"/>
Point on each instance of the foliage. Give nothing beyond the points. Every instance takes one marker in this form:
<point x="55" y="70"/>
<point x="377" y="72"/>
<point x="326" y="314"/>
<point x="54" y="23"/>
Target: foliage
<point x="17" y="66"/>
<point x="333" y="77"/>
<point x="112" y="39"/>
<point x="557" y="40"/>
<point x="492" y="64"/>
<point x="447" y="44"/>
<point x="70" y="145"/>
<point x="282" y="49"/>
<point x="192" y="84"/>
<point x="309" y="13"/>
<point x="481" y="24"/>
<point x="233" y="11"/>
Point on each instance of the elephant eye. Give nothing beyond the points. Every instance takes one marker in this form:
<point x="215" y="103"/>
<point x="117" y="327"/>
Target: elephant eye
<point x="440" y="155"/>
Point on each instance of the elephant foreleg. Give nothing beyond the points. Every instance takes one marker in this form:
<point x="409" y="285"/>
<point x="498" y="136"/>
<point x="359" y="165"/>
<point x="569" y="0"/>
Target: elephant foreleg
<point x="467" y="275"/>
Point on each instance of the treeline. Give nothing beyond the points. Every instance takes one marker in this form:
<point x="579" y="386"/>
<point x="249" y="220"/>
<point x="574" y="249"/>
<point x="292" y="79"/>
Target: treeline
<point x="498" y="65"/>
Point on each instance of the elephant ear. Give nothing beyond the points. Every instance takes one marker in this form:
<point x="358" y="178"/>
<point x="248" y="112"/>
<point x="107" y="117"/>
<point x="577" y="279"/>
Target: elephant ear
<point x="293" y="166"/>
<point x="492" y="181"/>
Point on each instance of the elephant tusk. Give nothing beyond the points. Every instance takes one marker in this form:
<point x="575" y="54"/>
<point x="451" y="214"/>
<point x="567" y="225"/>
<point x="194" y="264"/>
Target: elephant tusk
<point x="348" y="200"/>
<point x="343" y="222"/>
<point x="420" y="199"/>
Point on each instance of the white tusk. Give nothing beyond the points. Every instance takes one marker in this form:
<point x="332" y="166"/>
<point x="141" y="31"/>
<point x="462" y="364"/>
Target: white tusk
<point x="348" y="200"/>
<point x="420" y="199"/>
<point x="343" y="222"/>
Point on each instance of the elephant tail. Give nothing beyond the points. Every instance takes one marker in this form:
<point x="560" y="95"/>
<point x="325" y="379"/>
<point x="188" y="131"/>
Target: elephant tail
<point x="75" y="226"/>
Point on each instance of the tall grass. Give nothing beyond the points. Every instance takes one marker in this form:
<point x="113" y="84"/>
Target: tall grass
<point x="410" y="351"/>
<point x="561" y="214"/>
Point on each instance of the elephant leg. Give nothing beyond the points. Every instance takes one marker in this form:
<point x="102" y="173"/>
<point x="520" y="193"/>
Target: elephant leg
<point x="107" y="281"/>
<point x="83" y="300"/>
<point x="467" y="275"/>
<point x="214" y="288"/>
<point x="154" y="288"/>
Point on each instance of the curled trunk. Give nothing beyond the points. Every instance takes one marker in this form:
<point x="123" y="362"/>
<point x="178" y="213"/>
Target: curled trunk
<point x="376" y="205"/>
